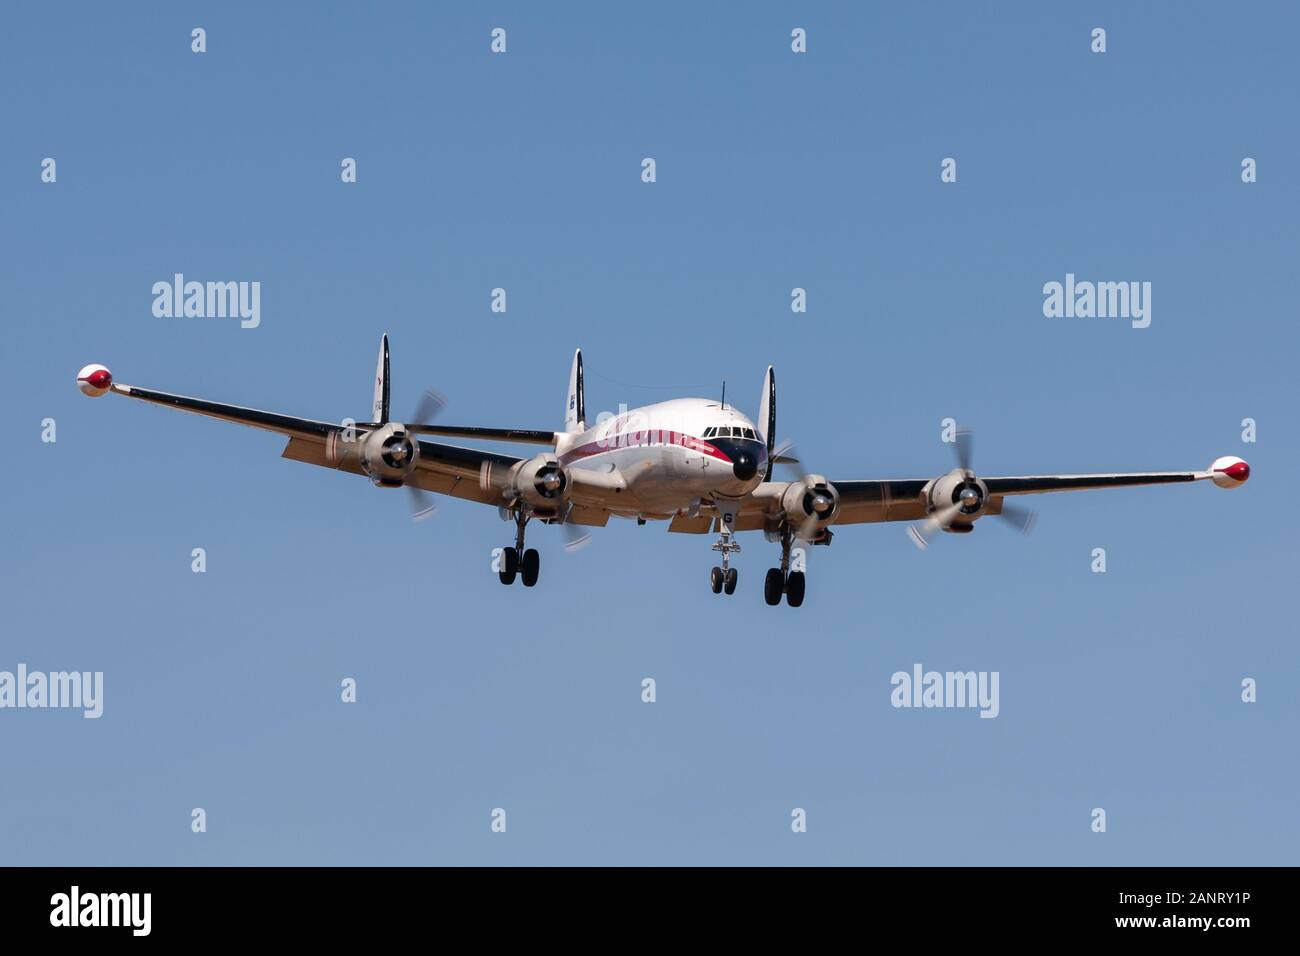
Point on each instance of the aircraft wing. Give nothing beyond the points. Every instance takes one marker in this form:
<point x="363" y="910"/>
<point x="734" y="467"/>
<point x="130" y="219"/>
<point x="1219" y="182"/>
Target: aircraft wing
<point x="860" y="502"/>
<point x="443" y="469"/>
<point x="522" y="436"/>
<point x="904" y="499"/>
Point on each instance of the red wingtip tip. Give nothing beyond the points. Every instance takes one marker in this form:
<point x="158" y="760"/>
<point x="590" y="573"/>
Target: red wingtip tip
<point x="1230" y="472"/>
<point x="94" y="380"/>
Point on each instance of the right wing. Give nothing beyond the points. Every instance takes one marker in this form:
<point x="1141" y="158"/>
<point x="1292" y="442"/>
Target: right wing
<point x="522" y="436"/>
<point x="444" y="469"/>
<point x="466" y="473"/>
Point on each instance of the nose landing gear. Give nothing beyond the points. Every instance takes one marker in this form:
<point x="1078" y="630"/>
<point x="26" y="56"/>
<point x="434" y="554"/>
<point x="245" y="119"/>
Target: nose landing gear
<point x="723" y="579"/>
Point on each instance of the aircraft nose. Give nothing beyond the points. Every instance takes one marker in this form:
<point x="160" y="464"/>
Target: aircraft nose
<point x="744" y="466"/>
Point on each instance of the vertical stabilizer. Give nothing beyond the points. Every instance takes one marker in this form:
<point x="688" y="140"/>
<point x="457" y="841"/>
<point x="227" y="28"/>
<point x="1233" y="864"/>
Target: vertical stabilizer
<point x="575" y="405"/>
<point x="380" y="408"/>
<point x="767" y="417"/>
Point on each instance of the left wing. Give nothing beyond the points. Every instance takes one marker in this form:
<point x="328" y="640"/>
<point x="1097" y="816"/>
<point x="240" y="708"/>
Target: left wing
<point x="909" y="499"/>
<point x="870" y="501"/>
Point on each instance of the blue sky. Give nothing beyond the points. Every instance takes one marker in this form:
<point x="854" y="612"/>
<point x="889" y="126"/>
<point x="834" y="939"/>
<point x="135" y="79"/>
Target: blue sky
<point x="1118" y="690"/>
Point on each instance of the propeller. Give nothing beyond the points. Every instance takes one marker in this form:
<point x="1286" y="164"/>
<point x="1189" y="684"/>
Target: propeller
<point x="428" y="407"/>
<point x="423" y="504"/>
<point x="818" y="501"/>
<point x="969" y="500"/>
<point x="1022" y="519"/>
<point x="923" y="531"/>
<point x="964" y="448"/>
<point x="787" y="457"/>
<point x="575" y="537"/>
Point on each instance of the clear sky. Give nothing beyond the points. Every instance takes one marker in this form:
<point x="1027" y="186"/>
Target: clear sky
<point x="775" y="170"/>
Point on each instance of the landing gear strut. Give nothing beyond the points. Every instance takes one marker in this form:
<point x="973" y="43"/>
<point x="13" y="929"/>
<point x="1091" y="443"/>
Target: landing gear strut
<point x="782" y="580"/>
<point x="518" y="561"/>
<point x="724" y="578"/>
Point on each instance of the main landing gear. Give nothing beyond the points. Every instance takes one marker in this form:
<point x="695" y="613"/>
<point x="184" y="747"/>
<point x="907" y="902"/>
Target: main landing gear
<point x="724" y="578"/>
<point x="517" y="561"/>
<point x="782" y="580"/>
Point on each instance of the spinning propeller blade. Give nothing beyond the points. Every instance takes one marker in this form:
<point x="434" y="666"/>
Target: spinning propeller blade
<point x="1022" y="519"/>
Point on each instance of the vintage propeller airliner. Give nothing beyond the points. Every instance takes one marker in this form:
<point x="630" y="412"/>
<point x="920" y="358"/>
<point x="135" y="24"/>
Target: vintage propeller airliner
<point x="696" y="463"/>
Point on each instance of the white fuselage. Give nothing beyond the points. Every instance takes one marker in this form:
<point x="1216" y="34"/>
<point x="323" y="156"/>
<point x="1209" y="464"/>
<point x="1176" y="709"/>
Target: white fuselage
<point x="673" y="455"/>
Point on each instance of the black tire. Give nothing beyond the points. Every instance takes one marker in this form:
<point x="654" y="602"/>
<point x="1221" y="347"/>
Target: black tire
<point x="715" y="579"/>
<point x="509" y="566"/>
<point x="531" y="567"/>
<point x="794" y="587"/>
<point x="729" y="581"/>
<point x="773" y="586"/>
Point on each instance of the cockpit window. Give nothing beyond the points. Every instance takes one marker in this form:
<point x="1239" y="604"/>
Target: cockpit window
<point x="729" y="431"/>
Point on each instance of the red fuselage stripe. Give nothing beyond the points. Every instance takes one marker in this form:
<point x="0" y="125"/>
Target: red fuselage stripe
<point x="644" y="438"/>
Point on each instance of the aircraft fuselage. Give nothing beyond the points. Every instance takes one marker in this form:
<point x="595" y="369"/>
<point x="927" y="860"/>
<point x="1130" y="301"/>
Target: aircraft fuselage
<point x="672" y="454"/>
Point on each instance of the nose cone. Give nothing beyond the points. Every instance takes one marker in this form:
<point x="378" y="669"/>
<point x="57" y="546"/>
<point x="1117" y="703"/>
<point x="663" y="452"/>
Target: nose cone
<point x="744" y="466"/>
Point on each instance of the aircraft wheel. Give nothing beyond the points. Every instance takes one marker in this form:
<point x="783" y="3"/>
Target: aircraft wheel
<point x="715" y="579"/>
<point x="794" y="587"/>
<point x="729" y="581"/>
<point x="532" y="566"/>
<point x="509" y="566"/>
<point x="773" y="585"/>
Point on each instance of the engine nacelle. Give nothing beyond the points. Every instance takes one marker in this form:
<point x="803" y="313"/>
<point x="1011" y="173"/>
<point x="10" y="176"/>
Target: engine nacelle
<point x="809" y="505"/>
<point x="387" y="455"/>
<point x="961" y="489"/>
<point x="542" y="482"/>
